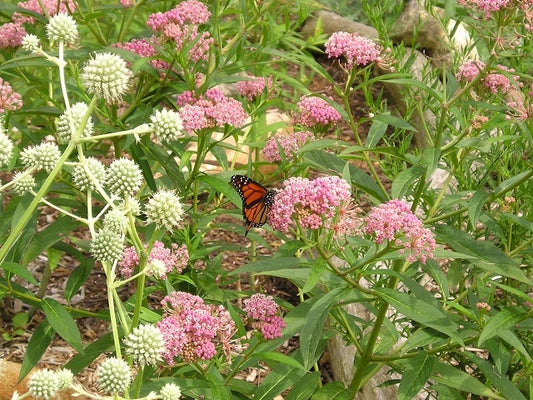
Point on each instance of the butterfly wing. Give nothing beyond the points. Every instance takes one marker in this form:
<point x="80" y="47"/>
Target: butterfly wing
<point x="256" y="200"/>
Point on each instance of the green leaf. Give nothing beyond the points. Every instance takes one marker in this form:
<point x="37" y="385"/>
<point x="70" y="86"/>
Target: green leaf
<point x="218" y="387"/>
<point x="305" y="387"/>
<point x="314" y="327"/>
<point x="62" y="322"/>
<point x="426" y="313"/>
<point x="49" y="236"/>
<point x="19" y="271"/>
<point x="376" y="132"/>
<point x="39" y="342"/>
<point x="417" y="373"/>
<point x="476" y="205"/>
<point x="90" y="353"/>
<point x="482" y="253"/>
<point x="502" y="321"/>
<point x="78" y="277"/>
<point x="333" y="391"/>
<point x="279" y="379"/>
<point x="404" y="182"/>
<point x="394" y="121"/>
<point x="514" y="341"/>
<point x="278" y="357"/>
<point x="457" y="379"/>
<point x="504" y="385"/>
<point x="317" y="269"/>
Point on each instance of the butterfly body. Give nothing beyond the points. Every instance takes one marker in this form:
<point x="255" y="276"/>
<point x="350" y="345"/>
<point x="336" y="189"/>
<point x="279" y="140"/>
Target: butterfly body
<point x="256" y="201"/>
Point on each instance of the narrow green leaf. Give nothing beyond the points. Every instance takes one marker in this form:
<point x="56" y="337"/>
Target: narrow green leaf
<point x="481" y="252"/>
<point x="333" y="391"/>
<point x="394" y="121"/>
<point x="305" y="387"/>
<point x="504" y="385"/>
<point x="19" y="271"/>
<point x="62" y="323"/>
<point x="502" y="321"/>
<point x="415" y="376"/>
<point x="457" y="379"/>
<point x="279" y="379"/>
<point x="314" y="327"/>
<point x="90" y="353"/>
<point x="317" y="269"/>
<point x="404" y="182"/>
<point x="278" y="357"/>
<point x="47" y="237"/>
<point x="428" y="314"/>
<point x="78" y="277"/>
<point x="514" y="341"/>
<point x="476" y="205"/>
<point x="216" y="381"/>
<point x="376" y="132"/>
<point x="39" y="342"/>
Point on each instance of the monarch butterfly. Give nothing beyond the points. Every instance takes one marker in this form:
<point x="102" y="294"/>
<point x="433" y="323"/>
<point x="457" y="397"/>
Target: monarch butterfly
<point x="256" y="201"/>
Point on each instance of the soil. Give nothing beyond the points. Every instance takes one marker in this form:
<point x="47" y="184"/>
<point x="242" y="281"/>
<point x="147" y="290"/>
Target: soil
<point x="92" y="296"/>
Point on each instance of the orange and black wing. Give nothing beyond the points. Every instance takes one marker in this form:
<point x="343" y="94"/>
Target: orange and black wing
<point x="256" y="200"/>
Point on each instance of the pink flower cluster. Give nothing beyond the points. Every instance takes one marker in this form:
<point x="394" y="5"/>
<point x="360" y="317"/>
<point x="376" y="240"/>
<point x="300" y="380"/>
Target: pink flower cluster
<point x="315" y="111"/>
<point x="494" y="80"/>
<point x="11" y="34"/>
<point x="356" y="49"/>
<point x="52" y="7"/>
<point x="394" y="221"/>
<point x="191" y="328"/>
<point x="310" y="202"/>
<point x="213" y="109"/>
<point x="250" y="89"/>
<point x="289" y="144"/>
<point x="175" y="258"/>
<point x="486" y="6"/>
<point x="264" y="310"/>
<point x="9" y="100"/>
<point x="181" y="25"/>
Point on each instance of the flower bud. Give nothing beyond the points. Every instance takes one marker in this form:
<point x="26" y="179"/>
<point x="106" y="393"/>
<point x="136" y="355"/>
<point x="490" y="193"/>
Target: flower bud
<point x="107" y="245"/>
<point x="124" y="177"/>
<point x="145" y="344"/>
<point x="164" y="209"/>
<point x="114" y="375"/>
<point x="87" y="176"/>
<point x="73" y="116"/>
<point x="23" y="182"/>
<point x="107" y="76"/>
<point x="167" y="125"/>
<point x="43" y="384"/>
<point x="62" y="27"/>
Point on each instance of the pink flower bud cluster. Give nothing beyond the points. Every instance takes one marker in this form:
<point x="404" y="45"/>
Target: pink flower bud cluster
<point x="213" y="109"/>
<point x="494" y="80"/>
<point x="191" y="328"/>
<point x="310" y="202"/>
<point x="315" y="111"/>
<point x="486" y="6"/>
<point x="289" y="144"/>
<point x="356" y="49"/>
<point x="175" y="258"/>
<point x="9" y="100"/>
<point x="52" y="7"/>
<point x="11" y="34"/>
<point x="145" y="48"/>
<point x="394" y="221"/>
<point x="264" y="311"/>
<point x="250" y="89"/>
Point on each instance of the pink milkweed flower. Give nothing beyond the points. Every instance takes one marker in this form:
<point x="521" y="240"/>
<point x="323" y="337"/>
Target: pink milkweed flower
<point x="315" y="111"/>
<point x="191" y="329"/>
<point x="486" y="6"/>
<point x="12" y="34"/>
<point x="309" y="202"/>
<point x="356" y="49"/>
<point x="161" y="260"/>
<point x="395" y="222"/>
<point x="264" y="311"/>
<point x="470" y="70"/>
<point x="52" y="7"/>
<point x="9" y="100"/>
<point x="289" y="144"/>
<point x="213" y="109"/>
<point x="250" y="89"/>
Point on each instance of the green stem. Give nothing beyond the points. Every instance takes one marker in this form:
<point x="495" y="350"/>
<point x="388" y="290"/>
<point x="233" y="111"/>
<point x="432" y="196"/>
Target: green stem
<point x="360" y="371"/>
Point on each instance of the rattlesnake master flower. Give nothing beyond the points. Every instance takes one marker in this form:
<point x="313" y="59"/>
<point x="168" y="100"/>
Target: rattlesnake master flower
<point x="65" y="377"/>
<point x="31" y="43"/>
<point x="107" y="245"/>
<point x="44" y="156"/>
<point x="74" y="114"/>
<point x="124" y="177"/>
<point x="264" y="310"/>
<point x="6" y="147"/>
<point x="170" y="391"/>
<point x="23" y="183"/>
<point x="114" y="375"/>
<point x="167" y="125"/>
<point x="115" y="220"/>
<point x="164" y="209"/>
<point x="81" y="176"/>
<point x="145" y="345"/>
<point x="107" y="76"/>
<point x="62" y="27"/>
<point x="44" y="384"/>
<point x="394" y="221"/>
